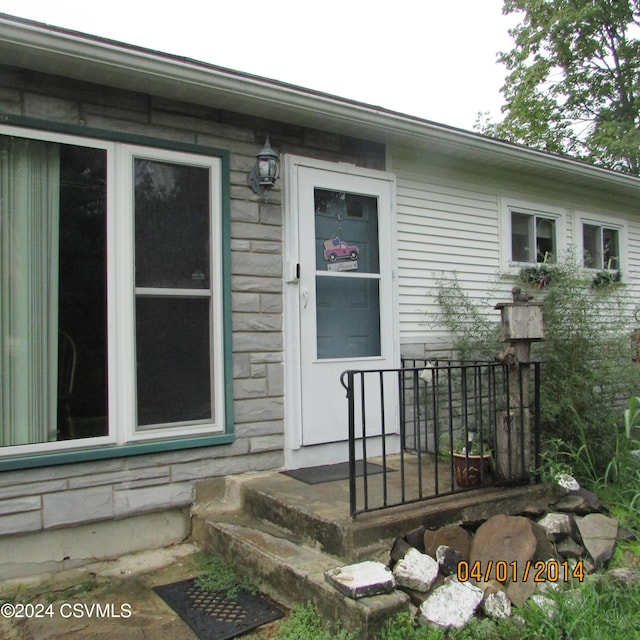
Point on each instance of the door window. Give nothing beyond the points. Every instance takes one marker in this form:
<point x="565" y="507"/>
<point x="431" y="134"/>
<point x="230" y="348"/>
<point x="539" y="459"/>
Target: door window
<point x="347" y="275"/>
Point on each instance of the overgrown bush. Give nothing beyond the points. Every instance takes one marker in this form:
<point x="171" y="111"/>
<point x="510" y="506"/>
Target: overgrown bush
<point x="587" y="355"/>
<point x="471" y="322"/>
<point x="588" y="370"/>
<point x="616" y="479"/>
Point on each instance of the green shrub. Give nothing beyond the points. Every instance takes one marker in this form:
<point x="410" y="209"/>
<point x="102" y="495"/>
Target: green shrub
<point x="611" y="471"/>
<point x="471" y="323"/>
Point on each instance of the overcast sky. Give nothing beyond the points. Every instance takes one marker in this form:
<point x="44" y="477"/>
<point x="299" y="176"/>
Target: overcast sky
<point x="428" y="58"/>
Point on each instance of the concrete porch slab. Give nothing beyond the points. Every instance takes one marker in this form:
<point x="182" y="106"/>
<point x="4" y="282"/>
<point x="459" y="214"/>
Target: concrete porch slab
<point x="319" y="514"/>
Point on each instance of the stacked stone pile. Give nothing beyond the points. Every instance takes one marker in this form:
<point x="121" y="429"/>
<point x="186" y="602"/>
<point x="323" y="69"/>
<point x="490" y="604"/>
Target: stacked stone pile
<point x="456" y="571"/>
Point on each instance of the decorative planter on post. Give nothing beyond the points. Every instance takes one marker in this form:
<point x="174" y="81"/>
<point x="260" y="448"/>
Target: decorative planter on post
<point x="522" y="324"/>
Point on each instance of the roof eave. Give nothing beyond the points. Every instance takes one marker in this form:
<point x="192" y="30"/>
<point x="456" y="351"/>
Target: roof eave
<point x="53" y="50"/>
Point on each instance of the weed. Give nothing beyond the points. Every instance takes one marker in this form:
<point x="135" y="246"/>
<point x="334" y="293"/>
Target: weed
<point x="592" y="611"/>
<point x="588" y="611"/>
<point x="403" y="627"/>
<point x="220" y="576"/>
<point x="486" y="629"/>
<point x="632" y="418"/>
<point x="611" y="469"/>
<point x="626" y="554"/>
<point x="476" y="334"/>
<point x="305" y="623"/>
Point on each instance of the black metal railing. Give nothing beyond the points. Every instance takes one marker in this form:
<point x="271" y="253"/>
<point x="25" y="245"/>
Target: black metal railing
<point x="433" y="428"/>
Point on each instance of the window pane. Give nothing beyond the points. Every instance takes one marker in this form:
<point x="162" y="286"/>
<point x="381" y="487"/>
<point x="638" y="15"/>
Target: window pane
<point x="173" y="364"/>
<point x="172" y="225"/>
<point x="611" y="249"/>
<point x="545" y="239"/>
<point x="53" y="363"/>
<point x="591" y="242"/>
<point x="348" y="317"/>
<point x="346" y="232"/>
<point x="520" y="237"/>
<point x="83" y="292"/>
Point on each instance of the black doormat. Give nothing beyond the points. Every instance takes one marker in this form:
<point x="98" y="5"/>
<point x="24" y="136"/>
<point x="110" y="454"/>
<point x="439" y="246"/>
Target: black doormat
<point x="213" y="616"/>
<point x="331" y="472"/>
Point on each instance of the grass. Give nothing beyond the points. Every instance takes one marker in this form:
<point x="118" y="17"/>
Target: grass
<point x="588" y="611"/>
<point x="592" y="610"/>
<point x="305" y="623"/>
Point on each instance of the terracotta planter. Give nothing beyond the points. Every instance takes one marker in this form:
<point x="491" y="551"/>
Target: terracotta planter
<point x="471" y="474"/>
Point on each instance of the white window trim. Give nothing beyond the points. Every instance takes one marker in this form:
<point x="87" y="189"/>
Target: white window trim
<point x="124" y="275"/>
<point x="509" y="206"/>
<point x="121" y="298"/>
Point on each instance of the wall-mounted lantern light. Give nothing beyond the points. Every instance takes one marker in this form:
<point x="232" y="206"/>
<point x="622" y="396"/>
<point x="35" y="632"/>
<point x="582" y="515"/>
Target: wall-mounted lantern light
<point x="265" y="171"/>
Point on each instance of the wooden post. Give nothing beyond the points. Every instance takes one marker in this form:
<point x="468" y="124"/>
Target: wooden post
<point x="522" y="324"/>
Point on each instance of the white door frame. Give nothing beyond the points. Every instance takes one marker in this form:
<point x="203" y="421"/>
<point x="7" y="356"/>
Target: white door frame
<point x="295" y="454"/>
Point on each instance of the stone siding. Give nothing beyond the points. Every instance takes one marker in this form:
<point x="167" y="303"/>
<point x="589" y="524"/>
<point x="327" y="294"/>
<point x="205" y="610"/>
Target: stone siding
<point x="53" y="497"/>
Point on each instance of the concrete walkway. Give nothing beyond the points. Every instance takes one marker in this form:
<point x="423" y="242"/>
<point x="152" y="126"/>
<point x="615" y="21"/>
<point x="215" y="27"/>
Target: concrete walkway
<point x="107" y="600"/>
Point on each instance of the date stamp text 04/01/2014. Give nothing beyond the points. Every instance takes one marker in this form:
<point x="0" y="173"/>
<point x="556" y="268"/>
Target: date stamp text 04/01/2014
<point x="502" y="571"/>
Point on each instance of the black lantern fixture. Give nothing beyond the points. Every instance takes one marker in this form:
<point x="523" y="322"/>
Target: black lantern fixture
<point x="265" y="171"/>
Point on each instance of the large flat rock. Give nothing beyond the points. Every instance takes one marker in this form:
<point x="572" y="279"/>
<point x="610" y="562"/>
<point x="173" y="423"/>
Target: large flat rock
<point x="362" y="579"/>
<point x="599" y="534"/>
<point x="451" y="605"/>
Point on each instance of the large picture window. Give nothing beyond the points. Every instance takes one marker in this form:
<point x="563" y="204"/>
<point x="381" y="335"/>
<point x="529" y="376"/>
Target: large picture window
<point x="86" y="227"/>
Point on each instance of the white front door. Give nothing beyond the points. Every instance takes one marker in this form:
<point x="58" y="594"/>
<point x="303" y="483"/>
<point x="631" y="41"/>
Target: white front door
<point x="340" y="299"/>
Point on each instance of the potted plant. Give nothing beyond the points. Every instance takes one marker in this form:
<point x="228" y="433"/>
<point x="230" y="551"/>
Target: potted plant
<point x="471" y="462"/>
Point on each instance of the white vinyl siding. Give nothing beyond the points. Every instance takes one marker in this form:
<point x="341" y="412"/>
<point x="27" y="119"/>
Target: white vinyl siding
<point x="462" y="229"/>
<point x="633" y="249"/>
<point x="442" y="231"/>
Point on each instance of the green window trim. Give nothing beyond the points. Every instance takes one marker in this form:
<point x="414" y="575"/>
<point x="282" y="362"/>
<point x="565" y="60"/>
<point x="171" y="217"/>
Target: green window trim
<point x="114" y="451"/>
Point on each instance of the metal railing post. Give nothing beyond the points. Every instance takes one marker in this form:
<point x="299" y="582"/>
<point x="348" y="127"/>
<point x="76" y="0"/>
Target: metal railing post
<point x="352" y="439"/>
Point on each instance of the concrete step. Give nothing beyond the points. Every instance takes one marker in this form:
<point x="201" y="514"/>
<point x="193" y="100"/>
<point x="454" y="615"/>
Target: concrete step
<point x="290" y="572"/>
<point x="287" y="534"/>
<point x="371" y="534"/>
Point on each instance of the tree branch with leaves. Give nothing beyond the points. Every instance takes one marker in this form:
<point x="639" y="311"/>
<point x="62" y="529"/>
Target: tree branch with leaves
<point x="573" y="86"/>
